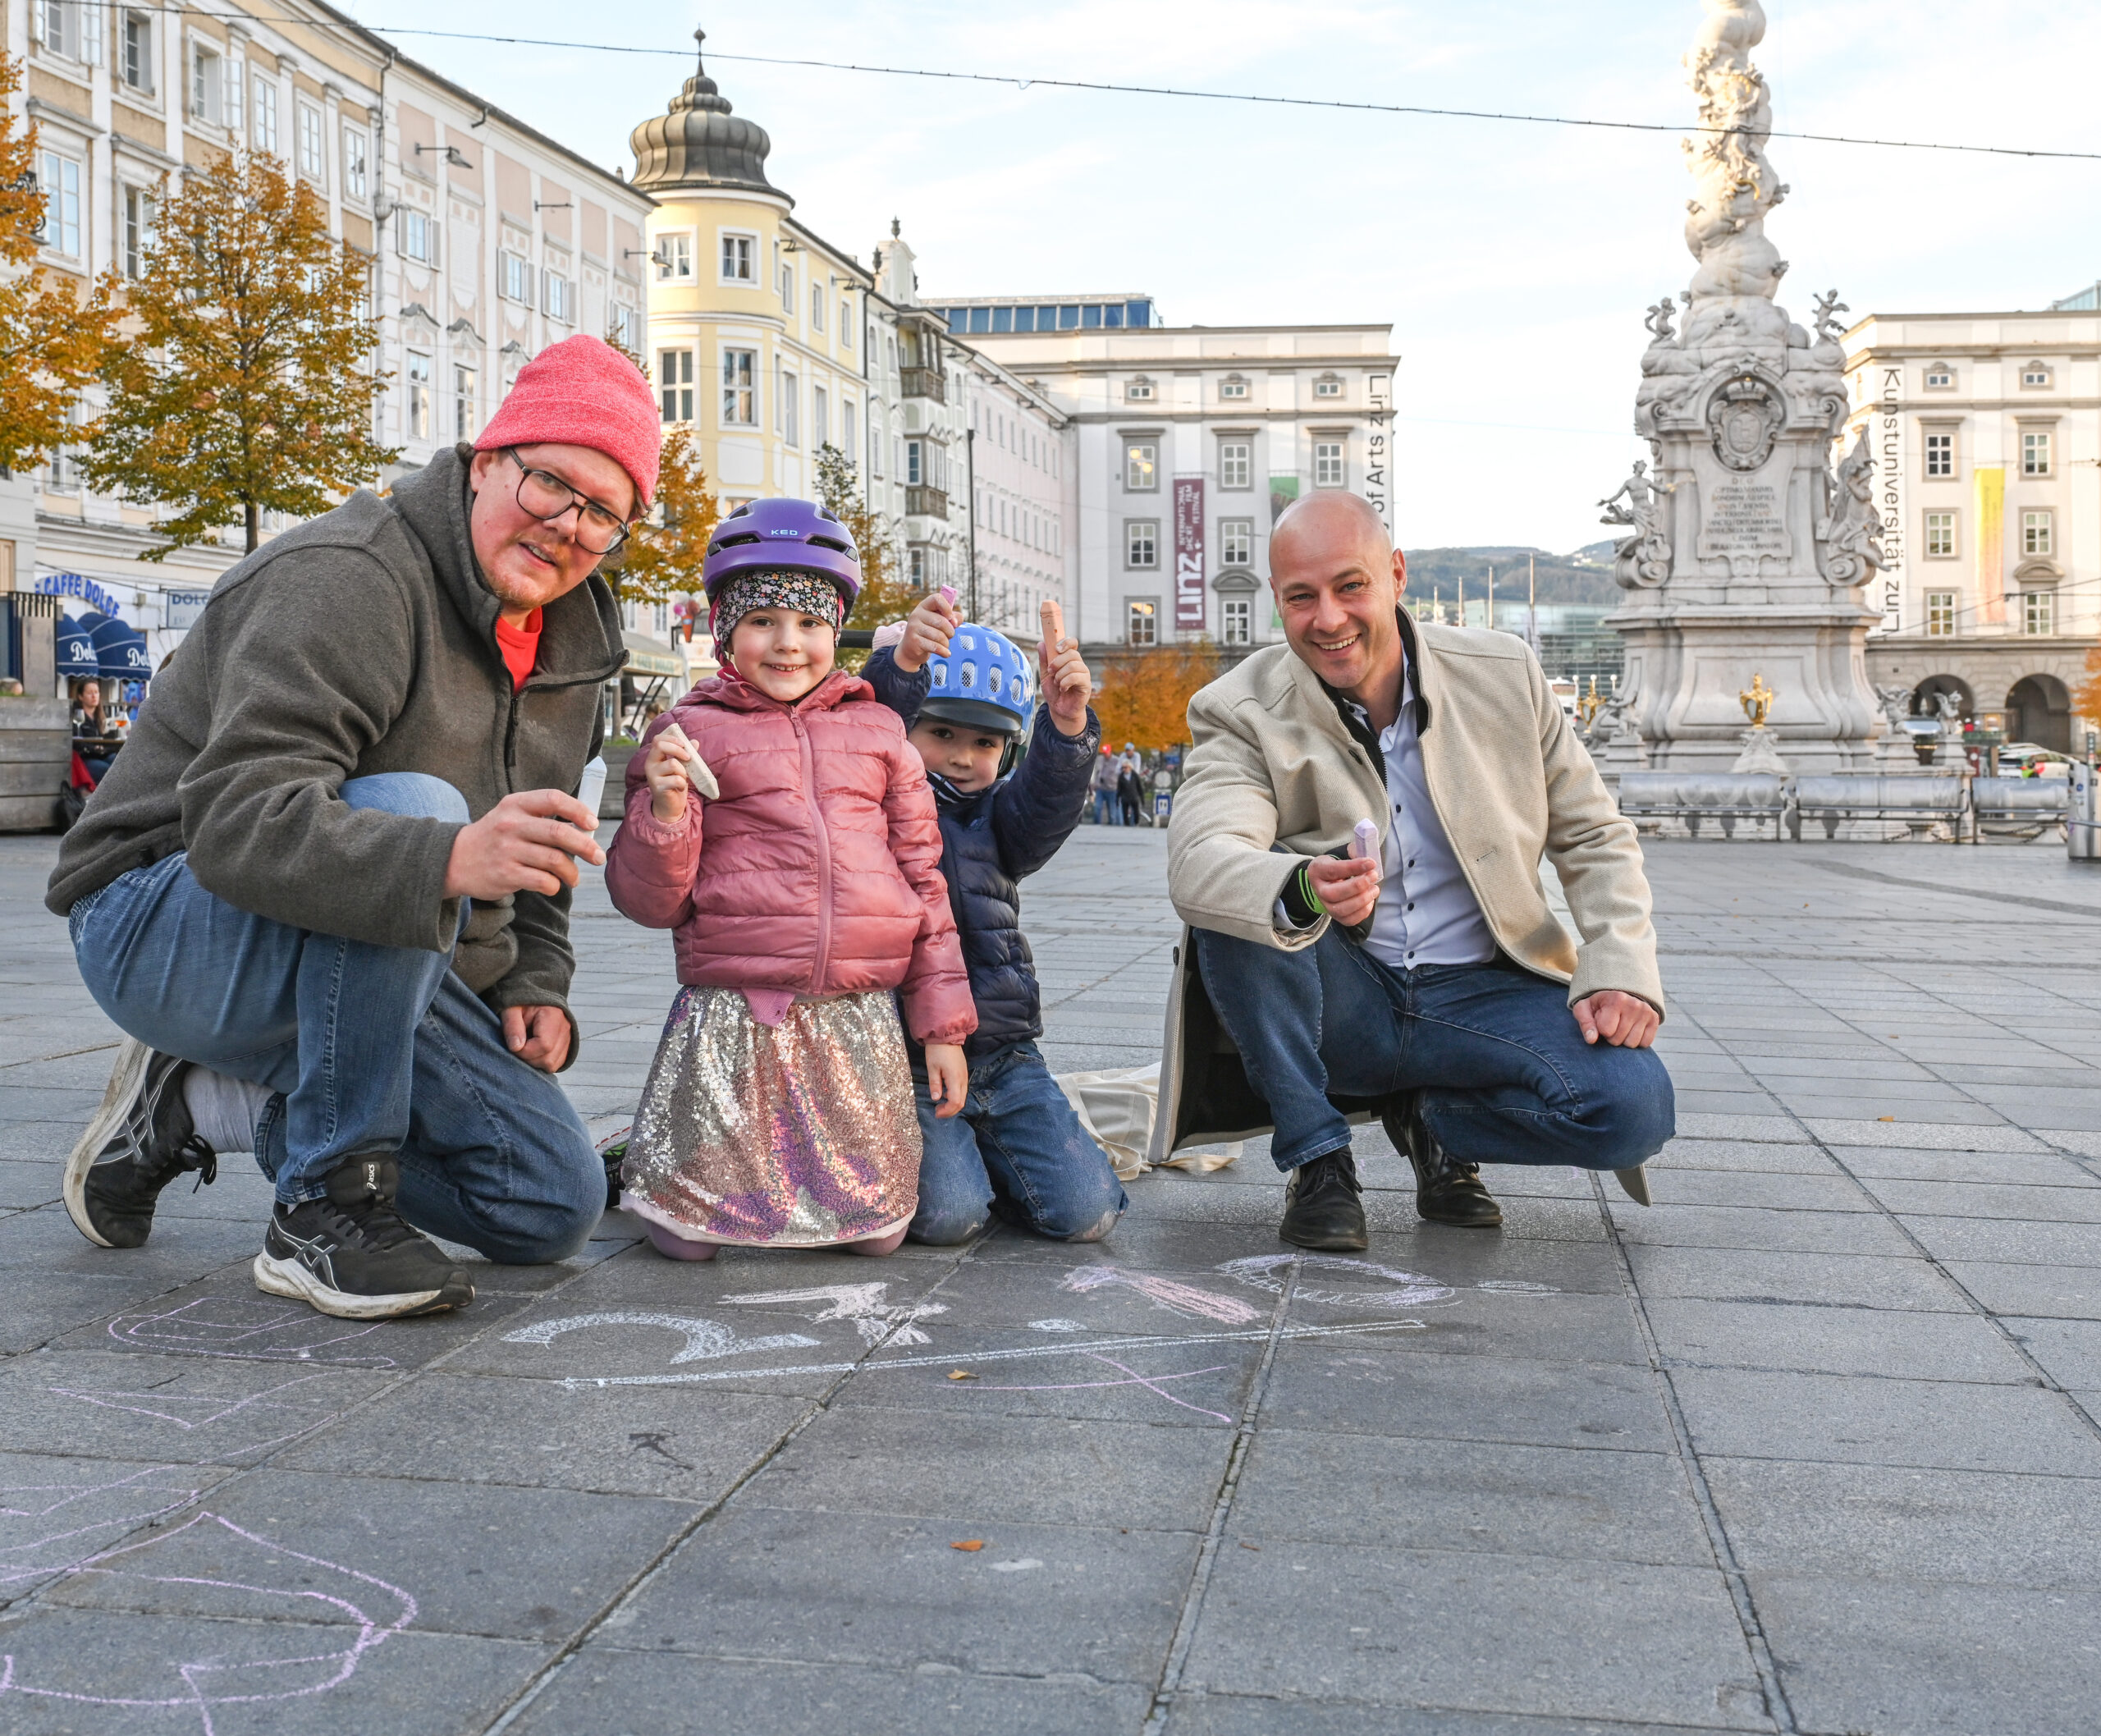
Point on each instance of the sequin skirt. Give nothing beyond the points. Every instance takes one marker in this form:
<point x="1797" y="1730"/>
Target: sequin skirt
<point x="800" y="1134"/>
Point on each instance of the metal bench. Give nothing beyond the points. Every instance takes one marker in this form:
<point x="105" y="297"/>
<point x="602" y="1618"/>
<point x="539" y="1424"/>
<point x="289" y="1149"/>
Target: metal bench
<point x="1920" y="803"/>
<point x="1697" y="796"/>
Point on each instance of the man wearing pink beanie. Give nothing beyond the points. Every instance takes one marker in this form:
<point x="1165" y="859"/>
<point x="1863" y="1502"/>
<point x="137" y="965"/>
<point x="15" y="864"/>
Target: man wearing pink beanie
<point x="325" y="889"/>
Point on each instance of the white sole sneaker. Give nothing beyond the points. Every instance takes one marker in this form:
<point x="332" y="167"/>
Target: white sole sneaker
<point x="290" y="1278"/>
<point x="125" y="1079"/>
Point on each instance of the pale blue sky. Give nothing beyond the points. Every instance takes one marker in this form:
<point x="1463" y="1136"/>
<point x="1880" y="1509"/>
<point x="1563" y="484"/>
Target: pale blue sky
<point x="1513" y="261"/>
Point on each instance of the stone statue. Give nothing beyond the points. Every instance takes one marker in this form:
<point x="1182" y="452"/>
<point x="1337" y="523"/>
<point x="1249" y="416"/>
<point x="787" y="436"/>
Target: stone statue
<point x="1896" y="703"/>
<point x="1645" y="558"/>
<point x="1850" y="549"/>
<point x="1948" y="706"/>
<point x="1828" y="308"/>
<point x="1659" y="321"/>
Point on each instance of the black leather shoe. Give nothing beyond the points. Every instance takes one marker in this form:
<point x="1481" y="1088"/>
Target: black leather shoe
<point x="1321" y="1209"/>
<point x="1446" y="1191"/>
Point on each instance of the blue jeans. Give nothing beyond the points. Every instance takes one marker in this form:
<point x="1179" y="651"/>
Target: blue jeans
<point x="368" y="1049"/>
<point x="1106" y="810"/>
<point x="1016" y="1145"/>
<point x="1504" y="1073"/>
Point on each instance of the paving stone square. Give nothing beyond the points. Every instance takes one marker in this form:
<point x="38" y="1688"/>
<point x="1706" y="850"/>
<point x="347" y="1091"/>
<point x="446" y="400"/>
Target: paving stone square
<point x="1809" y="1445"/>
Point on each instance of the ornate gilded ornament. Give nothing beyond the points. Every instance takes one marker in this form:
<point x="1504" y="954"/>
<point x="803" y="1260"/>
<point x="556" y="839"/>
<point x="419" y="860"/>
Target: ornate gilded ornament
<point x="1757" y="701"/>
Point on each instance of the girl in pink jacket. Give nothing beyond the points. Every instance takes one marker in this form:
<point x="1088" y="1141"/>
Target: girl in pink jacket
<point x="780" y="824"/>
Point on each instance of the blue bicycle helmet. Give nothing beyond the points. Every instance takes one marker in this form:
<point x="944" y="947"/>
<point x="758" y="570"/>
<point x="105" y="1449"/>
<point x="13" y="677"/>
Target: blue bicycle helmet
<point x="984" y="683"/>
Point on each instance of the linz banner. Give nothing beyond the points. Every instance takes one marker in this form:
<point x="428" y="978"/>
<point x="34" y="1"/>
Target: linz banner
<point x="1189" y="554"/>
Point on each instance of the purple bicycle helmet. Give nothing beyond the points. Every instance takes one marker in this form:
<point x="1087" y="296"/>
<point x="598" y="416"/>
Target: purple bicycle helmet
<point x="782" y="536"/>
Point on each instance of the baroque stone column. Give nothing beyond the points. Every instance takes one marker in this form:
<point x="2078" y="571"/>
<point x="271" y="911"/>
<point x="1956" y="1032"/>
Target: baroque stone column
<point x="1746" y="552"/>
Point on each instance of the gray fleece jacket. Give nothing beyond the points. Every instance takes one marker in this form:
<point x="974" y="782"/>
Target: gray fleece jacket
<point x="362" y="642"/>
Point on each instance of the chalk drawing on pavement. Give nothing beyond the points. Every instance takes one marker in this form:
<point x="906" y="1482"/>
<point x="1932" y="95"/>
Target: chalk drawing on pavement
<point x="878" y="1322"/>
<point x="269" y="1597"/>
<point x="193" y="1412"/>
<point x="1170" y="1293"/>
<point x="705" y="1339"/>
<point x="251" y="1329"/>
<point x="1395" y="1289"/>
<point x="1155" y="1384"/>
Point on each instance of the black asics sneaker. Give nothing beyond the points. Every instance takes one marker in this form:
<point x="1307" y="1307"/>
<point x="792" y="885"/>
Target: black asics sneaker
<point x="354" y="1255"/>
<point x="139" y="1141"/>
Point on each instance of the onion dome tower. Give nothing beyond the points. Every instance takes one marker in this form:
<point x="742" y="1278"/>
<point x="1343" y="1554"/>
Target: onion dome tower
<point x="697" y="143"/>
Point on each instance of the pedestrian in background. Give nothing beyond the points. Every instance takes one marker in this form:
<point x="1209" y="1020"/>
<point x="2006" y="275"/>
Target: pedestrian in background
<point x="1130" y="792"/>
<point x="1106" y="771"/>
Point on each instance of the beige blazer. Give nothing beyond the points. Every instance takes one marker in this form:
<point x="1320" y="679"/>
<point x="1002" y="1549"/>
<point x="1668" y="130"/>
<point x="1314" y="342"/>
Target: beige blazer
<point x="1272" y="763"/>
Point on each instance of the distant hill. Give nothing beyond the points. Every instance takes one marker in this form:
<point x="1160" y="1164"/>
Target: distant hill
<point x="1584" y="576"/>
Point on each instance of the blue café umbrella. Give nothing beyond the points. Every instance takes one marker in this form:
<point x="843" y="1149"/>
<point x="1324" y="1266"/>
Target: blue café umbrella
<point x="77" y="661"/>
<point x="121" y="652"/>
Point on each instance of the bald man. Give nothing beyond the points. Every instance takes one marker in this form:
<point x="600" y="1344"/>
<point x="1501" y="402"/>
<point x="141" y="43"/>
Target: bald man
<point x="1418" y="975"/>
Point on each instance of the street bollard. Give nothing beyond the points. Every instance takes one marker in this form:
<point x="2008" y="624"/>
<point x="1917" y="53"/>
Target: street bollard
<point x="2082" y="821"/>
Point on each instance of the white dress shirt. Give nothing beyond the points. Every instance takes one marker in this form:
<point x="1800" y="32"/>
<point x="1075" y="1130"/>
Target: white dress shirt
<point x="1426" y="912"/>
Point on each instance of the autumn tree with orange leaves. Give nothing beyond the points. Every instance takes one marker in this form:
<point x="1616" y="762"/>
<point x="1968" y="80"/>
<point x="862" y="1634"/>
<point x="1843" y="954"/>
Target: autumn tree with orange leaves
<point x="1144" y="697"/>
<point x="240" y="381"/>
<point x="51" y="333"/>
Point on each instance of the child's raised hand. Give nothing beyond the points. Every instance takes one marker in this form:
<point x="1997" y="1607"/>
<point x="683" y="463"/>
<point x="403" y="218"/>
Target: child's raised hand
<point x="1062" y="674"/>
<point x="673" y="769"/>
<point x="948" y="1079"/>
<point x="928" y="630"/>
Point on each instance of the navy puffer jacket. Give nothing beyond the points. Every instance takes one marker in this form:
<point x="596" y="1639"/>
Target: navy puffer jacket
<point x="991" y="840"/>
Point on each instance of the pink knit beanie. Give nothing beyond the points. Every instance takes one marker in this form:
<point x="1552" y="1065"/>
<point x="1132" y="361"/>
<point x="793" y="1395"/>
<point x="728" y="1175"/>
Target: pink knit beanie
<point x="582" y="391"/>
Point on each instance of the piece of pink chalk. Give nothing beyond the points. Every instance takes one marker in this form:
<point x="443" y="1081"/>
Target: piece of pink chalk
<point x="948" y="595"/>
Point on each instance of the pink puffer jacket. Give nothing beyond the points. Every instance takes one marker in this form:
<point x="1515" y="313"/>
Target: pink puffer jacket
<point x="834" y="895"/>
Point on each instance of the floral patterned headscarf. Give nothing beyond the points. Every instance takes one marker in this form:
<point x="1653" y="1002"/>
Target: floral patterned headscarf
<point x="805" y="593"/>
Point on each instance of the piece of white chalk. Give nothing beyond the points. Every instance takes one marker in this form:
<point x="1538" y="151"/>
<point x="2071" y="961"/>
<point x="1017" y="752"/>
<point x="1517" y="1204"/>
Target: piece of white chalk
<point x="698" y="775"/>
<point x="1364" y="842"/>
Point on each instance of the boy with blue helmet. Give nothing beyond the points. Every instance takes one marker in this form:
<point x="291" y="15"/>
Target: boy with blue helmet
<point x="1018" y="1148"/>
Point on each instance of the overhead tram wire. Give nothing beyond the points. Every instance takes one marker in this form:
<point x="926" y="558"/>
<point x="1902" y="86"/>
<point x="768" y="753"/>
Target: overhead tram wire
<point x="1156" y="90"/>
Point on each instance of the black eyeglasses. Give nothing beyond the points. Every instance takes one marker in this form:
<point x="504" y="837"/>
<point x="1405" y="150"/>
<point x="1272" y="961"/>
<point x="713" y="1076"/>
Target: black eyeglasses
<point x="599" y="529"/>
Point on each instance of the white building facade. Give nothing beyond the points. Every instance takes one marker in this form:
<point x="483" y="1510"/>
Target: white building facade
<point x="1185" y="444"/>
<point x="1987" y="433"/>
<point x="488" y="239"/>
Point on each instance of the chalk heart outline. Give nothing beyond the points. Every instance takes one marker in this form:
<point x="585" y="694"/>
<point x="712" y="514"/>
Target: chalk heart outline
<point x="705" y="1339"/>
<point x="209" y="1683"/>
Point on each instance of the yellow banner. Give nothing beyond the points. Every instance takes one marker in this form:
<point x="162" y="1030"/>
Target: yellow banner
<point x="1991" y="543"/>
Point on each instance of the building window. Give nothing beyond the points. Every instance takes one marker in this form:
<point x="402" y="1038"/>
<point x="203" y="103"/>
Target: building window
<point x="208" y="84"/>
<point x="627" y="328"/>
<point x="674" y="258"/>
<point x="418" y="236"/>
<point x="915" y="463"/>
<point x="1138" y="390"/>
<point x="737" y="258"/>
<point x="1327" y="463"/>
<point x="1940" y="377"/>
<point x="59" y="26"/>
<point x="1237" y="621"/>
<point x="820" y="418"/>
<point x="817" y="309"/>
<point x="848" y="437"/>
<point x="1232" y="388"/>
<point x="138" y="229"/>
<point x="1141" y="466"/>
<point x="1940" y="536"/>
<point x="1235" y="463"/>
<point x="740" y="408"/>
<point x="2035" y="374"/>
<point x="787" y="401"/>
<point x="1140" y="621"/>
<point x="875" y="450"/>
<point x="134" y="51"/>
<point x="466" y="420"/>
<point x="1140" y="543"/>
<point x="418" y="395"/>
<point x="1328" y="385"/>
<point x="787" y="288"/>
<point x="2039" y="611"/>
<point x="559" y="301"/>
<point x="675" y="384"/>
<point x="915" y="565"/>
<point x="1940" y="455"/>
<point x="846" y="325"/>
<point x="2035" y="454"/>
<point x="357" y="148"/>
<point x="58" y="179"/>
<point x="513" y="278"/>
<point x="263" y="117"/>
<point x="2035" y="534"/>
<point x="313" y="158"/>
<point x="1940" y="615"/>
<point x="1236" y="541"/>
